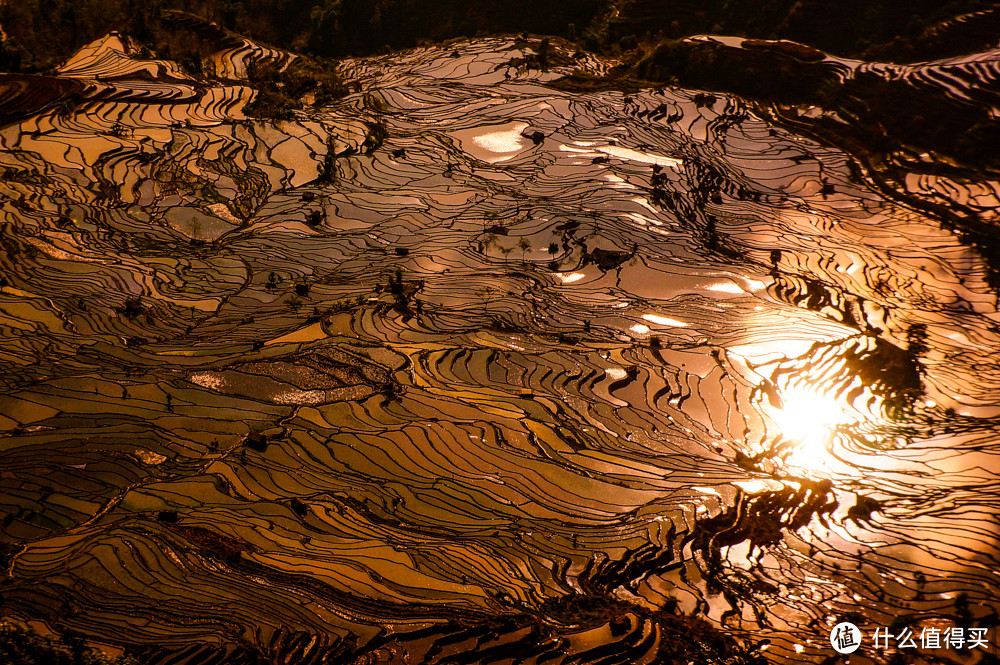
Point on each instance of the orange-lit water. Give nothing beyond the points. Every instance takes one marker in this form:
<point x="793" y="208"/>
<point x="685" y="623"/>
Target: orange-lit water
<point x="658" y="353"/>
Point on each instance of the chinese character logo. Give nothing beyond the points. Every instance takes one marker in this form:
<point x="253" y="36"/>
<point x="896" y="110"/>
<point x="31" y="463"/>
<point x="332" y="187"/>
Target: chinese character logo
<point x="845" y="637"/>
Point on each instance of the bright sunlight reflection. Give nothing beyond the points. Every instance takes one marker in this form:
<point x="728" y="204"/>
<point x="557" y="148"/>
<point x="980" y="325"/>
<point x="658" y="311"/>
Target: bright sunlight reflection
<point x="808" y="419"/>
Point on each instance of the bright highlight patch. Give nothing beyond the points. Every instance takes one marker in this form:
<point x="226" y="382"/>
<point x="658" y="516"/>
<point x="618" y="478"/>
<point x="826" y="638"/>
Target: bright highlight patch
<point x="663" y="320"/>
<point x="636" y="156"/>
<point x="808" y="419"/>
<point x="493" y="143"/>
<point x="725" y="287"/>
<point x="626" y="154"/>
<point x="806" y="414"/>
<point x="507" y="140"/>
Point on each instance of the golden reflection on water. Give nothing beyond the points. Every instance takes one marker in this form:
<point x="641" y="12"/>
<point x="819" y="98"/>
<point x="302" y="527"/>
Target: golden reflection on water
<point x="807" y="420"/>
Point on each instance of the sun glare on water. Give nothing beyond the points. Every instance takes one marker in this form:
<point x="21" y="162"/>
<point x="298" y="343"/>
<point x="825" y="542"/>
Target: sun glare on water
<point x="808" y="418"/>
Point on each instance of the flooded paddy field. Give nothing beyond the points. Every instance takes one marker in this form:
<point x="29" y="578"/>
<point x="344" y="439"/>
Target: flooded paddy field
<point x="469" y="369"/>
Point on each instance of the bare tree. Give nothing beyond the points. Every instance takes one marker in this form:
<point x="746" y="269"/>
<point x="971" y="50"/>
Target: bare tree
<point x="487" y="293"/>
<point x="524" y="246"/>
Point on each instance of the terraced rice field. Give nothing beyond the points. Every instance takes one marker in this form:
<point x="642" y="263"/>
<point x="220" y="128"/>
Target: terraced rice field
<point x="404" y="379"/>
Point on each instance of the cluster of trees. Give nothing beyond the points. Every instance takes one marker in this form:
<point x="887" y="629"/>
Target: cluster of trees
<point x="279" y="93"/>
<point x="43" y="33"/>
<point x="854" y="28"/>
<point x="40" y="34"/>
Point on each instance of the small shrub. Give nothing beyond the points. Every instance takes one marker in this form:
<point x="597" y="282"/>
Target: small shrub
<point x="132" y="308"/>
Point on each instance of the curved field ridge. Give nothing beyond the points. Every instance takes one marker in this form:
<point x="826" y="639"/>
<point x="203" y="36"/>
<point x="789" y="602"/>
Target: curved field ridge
<point x="109" y="57"/>
<point x="467" y="369"/>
